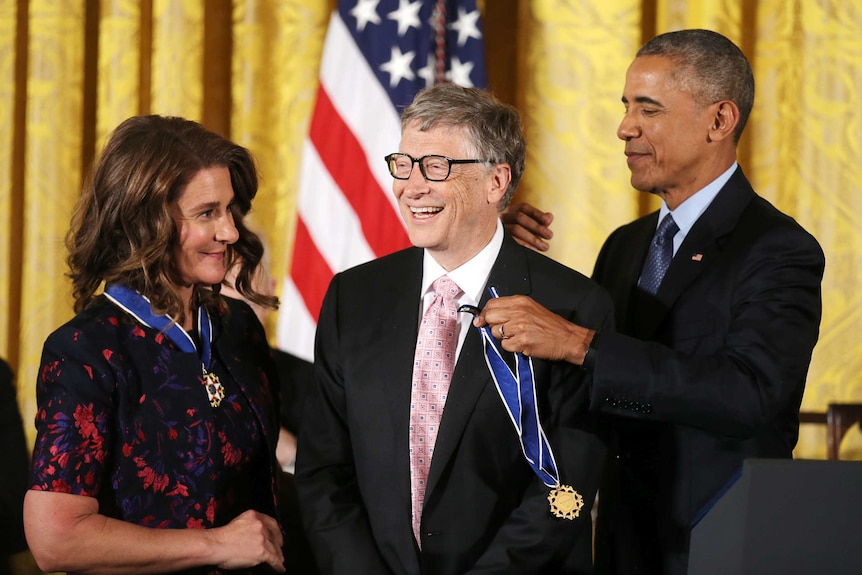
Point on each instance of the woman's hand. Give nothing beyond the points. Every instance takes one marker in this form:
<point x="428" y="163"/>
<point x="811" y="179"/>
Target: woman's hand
<point x="250" y="539"/>
<point x="67" y="533"/>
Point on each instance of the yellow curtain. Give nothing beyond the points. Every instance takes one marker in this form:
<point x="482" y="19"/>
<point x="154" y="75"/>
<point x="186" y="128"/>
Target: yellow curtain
<point x="572" y="67"/>
<point x="52" y="167"/>
<point x="277" y="49"/>
<point x="9" y="208"/>
<point x="805" y="149"/>
<point x="563" y="63"/>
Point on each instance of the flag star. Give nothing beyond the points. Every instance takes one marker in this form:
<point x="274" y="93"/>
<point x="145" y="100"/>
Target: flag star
<point x="460" y="73"/>
<point x="365" y="11"/>
<point x="398" y="66"/>
<point x="407" y="15"/>
<point x="466" y="25"/>
<point x="427" y="72"/>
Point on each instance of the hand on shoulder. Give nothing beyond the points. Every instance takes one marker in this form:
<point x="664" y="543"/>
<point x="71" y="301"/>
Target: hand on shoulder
<point x="528" y="225"/>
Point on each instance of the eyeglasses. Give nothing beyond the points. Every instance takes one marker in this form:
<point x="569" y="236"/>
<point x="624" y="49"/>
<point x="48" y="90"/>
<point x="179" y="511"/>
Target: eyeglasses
<point x="434" y="168"/>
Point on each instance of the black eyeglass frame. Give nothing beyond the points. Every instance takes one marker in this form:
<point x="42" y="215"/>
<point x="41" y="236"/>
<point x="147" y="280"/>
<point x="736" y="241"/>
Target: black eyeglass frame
<point x="391" y="157"/>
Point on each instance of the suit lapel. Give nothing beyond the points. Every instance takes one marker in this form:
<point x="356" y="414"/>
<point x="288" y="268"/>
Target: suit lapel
<point x="399" y="301"/>
<point x="623" y="287"/>
<point x="397" y="346"/>
<point x="391" y="300"/>
<point x="510" y="276"/>
<point x="700" y="249"/>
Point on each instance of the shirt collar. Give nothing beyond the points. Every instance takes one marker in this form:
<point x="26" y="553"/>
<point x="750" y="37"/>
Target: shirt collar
<point x="471" y="276"/>
<point x="687" y="213"/>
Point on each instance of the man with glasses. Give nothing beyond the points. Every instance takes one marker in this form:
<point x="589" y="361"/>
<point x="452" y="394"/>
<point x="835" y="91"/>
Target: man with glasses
<point x="410" y="459"/>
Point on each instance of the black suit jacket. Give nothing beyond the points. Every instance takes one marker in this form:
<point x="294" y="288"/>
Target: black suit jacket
<point x="707" y="373"/>
<point x="295" y="376"/>
<point x="485" y="510"/>
<point x="16" y="467"/>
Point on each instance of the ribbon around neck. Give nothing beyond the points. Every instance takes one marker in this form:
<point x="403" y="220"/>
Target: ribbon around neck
<point x="138" y="306"/>
<point x="517" y="389"/>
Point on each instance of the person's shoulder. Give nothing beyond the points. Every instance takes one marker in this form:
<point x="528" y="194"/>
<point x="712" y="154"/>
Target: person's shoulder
<point x="7" y="388"/>
<point x="637" y="226"/>
<point x="98" y="333"/>
<point x="6" y="374"/>
<point x="234" y="307"/>
<point x="295" y="367"/>
<point x="387" y="268"/>
<point x="549" y="273"/>
<point x="770" y="216"/>
<point x="239" y="321"/>
<point x="547" y="265"/>
<point x="99" y="319"/>
<point x="762" y="221"/>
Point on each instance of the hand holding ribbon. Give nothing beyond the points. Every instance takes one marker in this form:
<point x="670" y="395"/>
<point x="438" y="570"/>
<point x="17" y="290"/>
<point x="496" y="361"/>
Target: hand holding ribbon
<point x="517" y="389"/>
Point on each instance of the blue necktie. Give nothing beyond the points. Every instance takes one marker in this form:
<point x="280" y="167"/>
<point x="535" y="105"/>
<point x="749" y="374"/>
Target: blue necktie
<point x="659" y="256"/>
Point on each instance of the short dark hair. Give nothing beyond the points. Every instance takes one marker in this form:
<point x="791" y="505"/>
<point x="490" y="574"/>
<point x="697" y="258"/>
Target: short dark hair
<point x="710" y="66"/>
<point x="494" y="128"/>
<point x="122" y="230"/>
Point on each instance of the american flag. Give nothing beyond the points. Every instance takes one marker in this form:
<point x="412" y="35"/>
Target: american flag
<point x="377" y="55"/>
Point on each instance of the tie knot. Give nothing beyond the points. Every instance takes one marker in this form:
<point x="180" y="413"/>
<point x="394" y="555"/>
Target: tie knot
<point x="667" y="229"/>
<point x="446" y="288"/>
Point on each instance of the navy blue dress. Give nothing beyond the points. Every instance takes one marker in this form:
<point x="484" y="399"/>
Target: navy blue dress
<point x="123" y="416"/>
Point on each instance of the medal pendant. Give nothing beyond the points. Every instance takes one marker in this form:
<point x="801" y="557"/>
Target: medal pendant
<point x="215" y="390"/>
<point x="566" y="503"/>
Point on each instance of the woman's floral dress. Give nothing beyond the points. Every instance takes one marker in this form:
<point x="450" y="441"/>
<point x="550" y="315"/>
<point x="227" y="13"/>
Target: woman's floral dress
<point x="123" y="416"/>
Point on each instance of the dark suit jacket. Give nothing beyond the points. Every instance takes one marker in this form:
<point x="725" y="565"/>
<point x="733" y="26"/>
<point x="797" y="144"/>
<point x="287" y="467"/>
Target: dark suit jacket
<point x="485" y="510"/>
<point x="295" y="376"/>
<point x="16" y="467"/>
<point x="707" y="373"/>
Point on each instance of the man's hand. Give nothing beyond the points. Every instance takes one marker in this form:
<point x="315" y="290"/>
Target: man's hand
<point x="524" y="326"/>
<point x="529" y="226"/>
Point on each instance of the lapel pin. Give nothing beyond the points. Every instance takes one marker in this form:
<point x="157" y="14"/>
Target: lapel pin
<point x="696" y="257"/>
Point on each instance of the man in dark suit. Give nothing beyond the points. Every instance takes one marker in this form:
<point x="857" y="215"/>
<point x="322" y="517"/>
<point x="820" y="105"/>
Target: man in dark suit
<point x="16" y="467"/>
<point x="484" y="510"/>
<point x="708" y="365"/>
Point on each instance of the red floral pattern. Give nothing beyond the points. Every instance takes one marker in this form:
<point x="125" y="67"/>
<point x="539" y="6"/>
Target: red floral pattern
<point x="123" y="416"/>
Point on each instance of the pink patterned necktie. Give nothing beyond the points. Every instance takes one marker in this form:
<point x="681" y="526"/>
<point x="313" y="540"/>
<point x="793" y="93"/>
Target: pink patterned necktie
<point x="432" y="371"/>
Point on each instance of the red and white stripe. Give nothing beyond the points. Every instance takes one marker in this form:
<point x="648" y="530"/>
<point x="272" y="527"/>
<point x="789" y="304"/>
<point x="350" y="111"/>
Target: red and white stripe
<point x="346" y="212"/>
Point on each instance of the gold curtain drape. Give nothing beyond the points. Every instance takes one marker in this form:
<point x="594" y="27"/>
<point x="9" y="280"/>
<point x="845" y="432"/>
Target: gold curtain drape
<point x="71" y="71"/>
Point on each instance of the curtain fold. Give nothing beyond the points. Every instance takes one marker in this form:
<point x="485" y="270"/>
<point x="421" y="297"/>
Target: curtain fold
<point x="122" y="34"/>
<point x="805" y="148"/>
<point x="178" y="58"/>
<point x="276" y="58"/>
<point x="52" y="170"/>
<point x="572" y="63"/>
<point x="10" y="196"/>
<point x="569" y="59"/>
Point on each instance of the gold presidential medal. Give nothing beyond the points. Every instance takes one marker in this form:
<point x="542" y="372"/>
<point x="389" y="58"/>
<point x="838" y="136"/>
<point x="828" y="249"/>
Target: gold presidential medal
<point x="566" y="503"/>
<point x="215" y="390"/>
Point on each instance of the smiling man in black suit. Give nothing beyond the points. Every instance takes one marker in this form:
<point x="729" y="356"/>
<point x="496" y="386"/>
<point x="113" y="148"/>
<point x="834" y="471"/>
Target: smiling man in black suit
<point x="366" y="501"/>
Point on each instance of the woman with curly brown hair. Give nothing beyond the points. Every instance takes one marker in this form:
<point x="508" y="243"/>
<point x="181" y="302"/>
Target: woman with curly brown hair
<point x="156" y="426"/>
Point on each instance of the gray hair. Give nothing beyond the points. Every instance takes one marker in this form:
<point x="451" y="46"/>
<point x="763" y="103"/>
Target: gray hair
<point x="710" y="66"/>
<point x="494" y="128"/>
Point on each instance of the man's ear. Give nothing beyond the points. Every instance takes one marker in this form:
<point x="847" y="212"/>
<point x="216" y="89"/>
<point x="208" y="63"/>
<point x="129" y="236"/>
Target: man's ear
<point x="500" y="179"/>
<point x="724" y="121"/>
